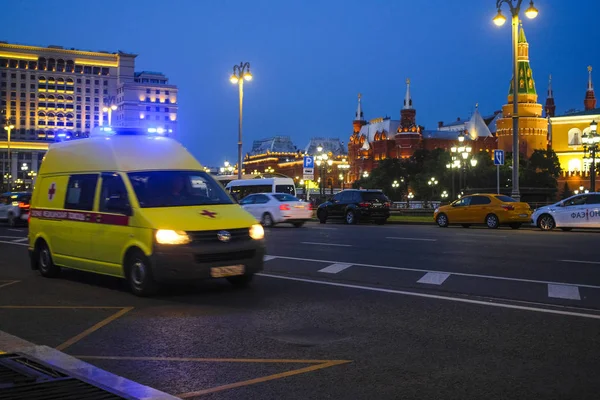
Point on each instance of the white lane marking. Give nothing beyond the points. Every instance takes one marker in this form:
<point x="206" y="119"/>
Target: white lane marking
<point x="405" y="238"/>
<point x="564" y="292"/>
<point x="327" y="244"/>
<point x="435" y="296"/>
<point x="20" y="240"/>
<point x="335" y="268"/>
<point x="268" y="258"/>
<point x="479" y="235"/>
<point x="581" y="262"/>
<point x="13" y="243"/>
<point x="433" y="278"/>
<point x="11" y="237"/>
<point x="503" y="278"/>
<point x="15" y="230"/>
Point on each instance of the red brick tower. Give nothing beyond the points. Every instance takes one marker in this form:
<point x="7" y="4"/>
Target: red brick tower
<point x="590" y="98"/>
<point x="550" y="106"/>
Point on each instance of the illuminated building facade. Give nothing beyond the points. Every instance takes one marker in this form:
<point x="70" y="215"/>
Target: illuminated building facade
<point x="383" y="138"/>
<point x="279" y="155"/>
<point x="54" y="93"/>
<point x="567" y="131"/>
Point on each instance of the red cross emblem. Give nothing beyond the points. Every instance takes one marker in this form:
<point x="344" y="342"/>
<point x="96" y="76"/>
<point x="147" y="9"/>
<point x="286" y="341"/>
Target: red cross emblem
<point x="51" y="191"/>
<point x="208" y="214"/>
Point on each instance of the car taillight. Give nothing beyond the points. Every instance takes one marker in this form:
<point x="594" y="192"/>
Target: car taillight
<point x="284" y="207"/>
<point x="388" y="204"/>
<point x="23" y="205"/>
<point x="507" y="207"/>
<point x="309" y="206"/>
<point x="364" y="204"/>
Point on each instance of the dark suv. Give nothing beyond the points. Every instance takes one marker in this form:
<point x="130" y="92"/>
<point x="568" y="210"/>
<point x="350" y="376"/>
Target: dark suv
<point x="356" y="205"/>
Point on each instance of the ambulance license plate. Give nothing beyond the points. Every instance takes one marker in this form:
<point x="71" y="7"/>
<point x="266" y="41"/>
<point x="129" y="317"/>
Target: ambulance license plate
<point x="222" y="272"/>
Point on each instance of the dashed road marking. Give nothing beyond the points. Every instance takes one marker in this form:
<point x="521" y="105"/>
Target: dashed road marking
<point x="327" y="244"/>
<point x="268" y="258"/>
<point x="15" y="230"/>
<point x="20" y="240"/>
<point x="11" y="237"/>
<point x="4" y="283"/>
<point x="568" y="292"/>
<point x="335" y="268"/>
<point x="581" y="262"/>
<point x="434" y="278"/>
<point x="501" y="278"/>
<point x="416" y="239"/>
<point x="438" y="297"/>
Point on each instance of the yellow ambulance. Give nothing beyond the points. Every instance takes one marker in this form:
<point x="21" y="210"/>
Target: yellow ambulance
<point x="137" y="205"/>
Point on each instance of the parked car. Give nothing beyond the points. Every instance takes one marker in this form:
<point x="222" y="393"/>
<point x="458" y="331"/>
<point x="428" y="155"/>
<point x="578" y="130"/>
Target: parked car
<point x="356" y="205"/>
<point x="579" y="211"/>
<point x="14" y="207"/>
<point x="492" y="210"/>
<point x="276" y="208"/>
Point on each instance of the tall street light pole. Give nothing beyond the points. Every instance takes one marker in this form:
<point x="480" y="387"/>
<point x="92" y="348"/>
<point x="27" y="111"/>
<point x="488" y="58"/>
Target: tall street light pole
<point x="590" y="144"/>
<point x="109" y="110"/>
<point x="499" y="20"/>
<point x="8" y="129"/>
<point x="240" y="74"/>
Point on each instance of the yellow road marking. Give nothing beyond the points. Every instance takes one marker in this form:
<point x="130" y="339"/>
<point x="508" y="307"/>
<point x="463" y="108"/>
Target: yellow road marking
<point x="262" y="379"/>
<point x="216" y="360"/>
<point x="318" y="364"/>
<point x="6" y="283"/>
<point x="94" y="328"/>
<point x="64" y="307"/>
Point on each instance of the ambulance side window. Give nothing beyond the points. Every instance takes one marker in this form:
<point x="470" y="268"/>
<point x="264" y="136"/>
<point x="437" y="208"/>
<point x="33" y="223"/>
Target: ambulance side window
<point x="113" y="194"/>
<point x="81" y="192"/>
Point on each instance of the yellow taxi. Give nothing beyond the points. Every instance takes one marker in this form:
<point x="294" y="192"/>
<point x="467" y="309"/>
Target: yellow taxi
<point x="138" y="206"/>
<point x="492" y="210"/>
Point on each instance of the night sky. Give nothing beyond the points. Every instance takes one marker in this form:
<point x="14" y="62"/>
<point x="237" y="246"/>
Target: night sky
<point x="310" y="58"/>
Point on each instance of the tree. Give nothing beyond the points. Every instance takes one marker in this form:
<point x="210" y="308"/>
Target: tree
<point x="541" y="170"/>
<point x="566" y="192"/>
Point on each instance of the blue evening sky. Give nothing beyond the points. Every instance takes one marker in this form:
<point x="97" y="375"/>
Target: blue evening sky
<point x="310" y="58"/>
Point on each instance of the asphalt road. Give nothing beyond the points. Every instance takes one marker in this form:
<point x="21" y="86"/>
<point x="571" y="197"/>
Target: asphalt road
<point x="341" y="312"/>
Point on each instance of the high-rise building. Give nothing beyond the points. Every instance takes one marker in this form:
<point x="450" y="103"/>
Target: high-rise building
<point x="53" y="93"/>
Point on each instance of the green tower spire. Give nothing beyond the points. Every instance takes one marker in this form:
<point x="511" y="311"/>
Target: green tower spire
<point x="526" y="82"/>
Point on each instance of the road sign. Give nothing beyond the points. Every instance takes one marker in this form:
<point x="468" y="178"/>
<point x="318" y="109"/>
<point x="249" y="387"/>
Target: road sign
<point x="309" y="162"/>
<point x="498" y="157"/>
<point x="308" y="177"/>
<point x="308" y="171"/>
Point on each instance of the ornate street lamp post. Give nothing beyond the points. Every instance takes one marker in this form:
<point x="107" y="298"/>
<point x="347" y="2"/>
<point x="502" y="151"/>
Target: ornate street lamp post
<point x="590" y="146"/>
<point x="240" y="74"/>
<point x="8" y="129"/>
<point x="499" y="20"/>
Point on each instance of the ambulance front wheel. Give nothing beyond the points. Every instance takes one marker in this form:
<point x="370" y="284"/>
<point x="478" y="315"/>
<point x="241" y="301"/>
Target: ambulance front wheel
<point x="138" y="273"/>
<point x="44" y="261"/>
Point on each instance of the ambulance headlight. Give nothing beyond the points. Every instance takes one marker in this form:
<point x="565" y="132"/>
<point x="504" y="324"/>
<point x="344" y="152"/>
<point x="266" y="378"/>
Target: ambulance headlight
<point x="257" y="232"/>
<point x="166" y="236"/>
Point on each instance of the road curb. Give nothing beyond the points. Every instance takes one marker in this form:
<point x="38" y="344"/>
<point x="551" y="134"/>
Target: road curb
<point x="14" y="346"/>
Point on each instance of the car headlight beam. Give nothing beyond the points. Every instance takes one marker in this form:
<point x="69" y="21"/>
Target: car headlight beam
<point x="257" y="232"/>
<point x="167" y="236"/>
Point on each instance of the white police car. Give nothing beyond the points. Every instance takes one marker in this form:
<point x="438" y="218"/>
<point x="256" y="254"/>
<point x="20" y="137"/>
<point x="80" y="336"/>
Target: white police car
<point x="579" y="211"/>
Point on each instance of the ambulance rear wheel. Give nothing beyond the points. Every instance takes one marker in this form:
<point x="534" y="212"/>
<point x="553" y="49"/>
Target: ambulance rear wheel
<point x="138" y="273"/>
<point x="44" y="261"/>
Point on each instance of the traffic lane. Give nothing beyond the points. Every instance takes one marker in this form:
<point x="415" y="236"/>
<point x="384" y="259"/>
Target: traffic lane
<point x="483" y="287"/>
<point x="13" y="235"/>
<point x="518" y="254"/>
<point x="430" y="343"/>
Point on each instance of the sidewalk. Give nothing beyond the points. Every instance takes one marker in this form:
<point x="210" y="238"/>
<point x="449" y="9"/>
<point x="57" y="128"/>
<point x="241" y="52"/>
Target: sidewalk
<point x="30" y="371"/>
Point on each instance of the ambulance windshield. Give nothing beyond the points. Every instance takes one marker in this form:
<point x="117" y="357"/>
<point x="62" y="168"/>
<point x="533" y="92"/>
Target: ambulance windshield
<point x="177" y="188"/>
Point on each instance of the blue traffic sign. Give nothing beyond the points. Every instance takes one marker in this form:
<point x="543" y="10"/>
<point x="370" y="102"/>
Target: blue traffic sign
<point x="498" y="157"/>
<point x="309" y="162"/>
